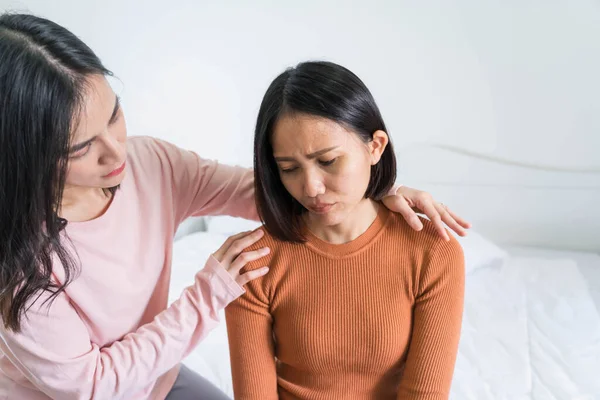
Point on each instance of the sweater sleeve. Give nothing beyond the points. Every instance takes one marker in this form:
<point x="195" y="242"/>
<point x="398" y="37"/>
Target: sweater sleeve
<point x="251" y="344"/>
<point x="436" y="325"/>
<point x="206" y="187"/>
<point x="54" y="351"/>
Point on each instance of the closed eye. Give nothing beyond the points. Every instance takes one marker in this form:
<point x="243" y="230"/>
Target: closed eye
<point x="288" y="170"/>
<point x="328" y="162"/>
<point x="81" y="151"/>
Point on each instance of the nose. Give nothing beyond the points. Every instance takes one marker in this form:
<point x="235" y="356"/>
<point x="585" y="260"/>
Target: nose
<point x="112" y="149"/>
<point x="313" y="184"/>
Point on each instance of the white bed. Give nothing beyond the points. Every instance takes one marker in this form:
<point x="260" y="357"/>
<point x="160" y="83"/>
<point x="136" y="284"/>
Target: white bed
<point x="531" y="326"/>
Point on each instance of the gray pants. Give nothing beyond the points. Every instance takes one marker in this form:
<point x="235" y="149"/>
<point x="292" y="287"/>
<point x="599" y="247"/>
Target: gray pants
<point x="191" y="386"/>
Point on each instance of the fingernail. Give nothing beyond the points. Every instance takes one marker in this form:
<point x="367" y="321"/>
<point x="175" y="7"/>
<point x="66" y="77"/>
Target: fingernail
<point x="265" y="250"/>
<point x="265" y="270"/>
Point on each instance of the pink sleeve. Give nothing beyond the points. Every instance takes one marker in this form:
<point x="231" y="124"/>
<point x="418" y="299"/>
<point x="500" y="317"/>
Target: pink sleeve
<point x="205" y="187"/>
<point x="55" y="353"/>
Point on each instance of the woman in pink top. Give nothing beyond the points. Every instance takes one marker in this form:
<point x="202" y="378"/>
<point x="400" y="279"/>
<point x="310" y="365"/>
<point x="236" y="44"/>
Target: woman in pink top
<point x="87" y="220"/>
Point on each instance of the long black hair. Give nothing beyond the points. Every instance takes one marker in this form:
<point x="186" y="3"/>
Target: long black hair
<point x="43" y="72"/>
<point x="322" y="89"/>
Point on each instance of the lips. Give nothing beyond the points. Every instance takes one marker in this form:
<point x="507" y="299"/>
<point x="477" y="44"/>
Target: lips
<point x="116" y="171"/>
<point x="321" y="208"/>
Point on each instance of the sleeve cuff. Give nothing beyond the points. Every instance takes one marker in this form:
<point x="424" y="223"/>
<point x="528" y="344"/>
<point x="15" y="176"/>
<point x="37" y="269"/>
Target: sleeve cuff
<point x="394" y="190"/>
<point x="223" y="280"/>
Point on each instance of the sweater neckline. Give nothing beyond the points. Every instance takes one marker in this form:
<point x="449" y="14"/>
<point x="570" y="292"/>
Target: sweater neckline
<point x="332" y="250"/>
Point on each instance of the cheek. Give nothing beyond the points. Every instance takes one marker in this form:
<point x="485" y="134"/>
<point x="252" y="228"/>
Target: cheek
<point x="351" y="178"/>
<point x="78" y="172"/>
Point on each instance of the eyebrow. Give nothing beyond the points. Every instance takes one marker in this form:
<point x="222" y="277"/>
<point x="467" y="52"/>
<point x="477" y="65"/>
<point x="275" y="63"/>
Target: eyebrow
<point x="310" y="156"/>
<point x="111" y="121"/>
<point x="82" y="145"/>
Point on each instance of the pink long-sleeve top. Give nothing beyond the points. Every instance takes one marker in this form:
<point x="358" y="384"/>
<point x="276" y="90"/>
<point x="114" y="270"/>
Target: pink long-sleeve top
<point x="110" y="334"/>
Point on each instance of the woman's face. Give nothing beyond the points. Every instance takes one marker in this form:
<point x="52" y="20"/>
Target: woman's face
<point x="324" y="166"/>
<point x="99" y="142"/>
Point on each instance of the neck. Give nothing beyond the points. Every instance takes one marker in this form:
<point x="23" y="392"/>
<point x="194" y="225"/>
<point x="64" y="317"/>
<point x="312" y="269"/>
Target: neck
<point x="355" y="224"/>
<point x="83" y="203"/>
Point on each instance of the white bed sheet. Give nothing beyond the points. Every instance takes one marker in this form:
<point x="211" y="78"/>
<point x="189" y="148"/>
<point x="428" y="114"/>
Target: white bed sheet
<point x="531" y="327"/>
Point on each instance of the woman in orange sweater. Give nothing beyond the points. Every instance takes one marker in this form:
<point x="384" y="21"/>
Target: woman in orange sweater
<point x="357" y="305"/>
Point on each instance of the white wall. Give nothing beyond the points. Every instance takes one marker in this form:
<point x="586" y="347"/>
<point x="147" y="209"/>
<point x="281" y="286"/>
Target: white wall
<point x="512" y="79"/>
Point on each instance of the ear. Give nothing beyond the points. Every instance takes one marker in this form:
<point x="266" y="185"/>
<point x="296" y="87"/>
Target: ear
<point x="377" y="146"/>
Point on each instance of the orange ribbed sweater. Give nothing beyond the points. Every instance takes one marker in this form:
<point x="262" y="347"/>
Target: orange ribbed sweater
<point x="376" y="318"/>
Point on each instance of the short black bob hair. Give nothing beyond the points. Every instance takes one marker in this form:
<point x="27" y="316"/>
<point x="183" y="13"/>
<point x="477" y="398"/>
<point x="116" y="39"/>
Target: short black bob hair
<point x="321" y="89"/>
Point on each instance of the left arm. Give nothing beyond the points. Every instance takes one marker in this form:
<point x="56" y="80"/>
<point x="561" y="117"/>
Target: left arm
<point x="437" y="317"/>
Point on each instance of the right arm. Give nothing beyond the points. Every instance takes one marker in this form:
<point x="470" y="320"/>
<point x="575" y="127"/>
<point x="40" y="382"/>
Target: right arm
<point x="204" y="187"/>
<point x="251" y="345"/>
<point x="55" y="353"/>
<point x="437" y="316"/>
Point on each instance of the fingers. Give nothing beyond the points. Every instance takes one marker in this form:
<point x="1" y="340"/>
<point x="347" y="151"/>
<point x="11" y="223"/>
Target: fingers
<point x="251" y="275"/>
<point x="232" y="257"/>
<point x="400" y="205"/>
<point x="458" y="219"/>
<point x="244" y="258"/>
<point x="432" y="213"/>
<point x="449" y="220"/>
<point x="238" y="245"/>
<point x="220" y="253"/>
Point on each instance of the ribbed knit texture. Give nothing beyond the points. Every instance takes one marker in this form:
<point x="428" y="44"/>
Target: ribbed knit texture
<point x="375" y="318"/>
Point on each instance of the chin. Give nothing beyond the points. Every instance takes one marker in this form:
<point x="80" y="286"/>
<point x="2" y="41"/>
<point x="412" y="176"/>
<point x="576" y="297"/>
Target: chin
<point x="114" y="181"/>
<point x="329" y="219"/>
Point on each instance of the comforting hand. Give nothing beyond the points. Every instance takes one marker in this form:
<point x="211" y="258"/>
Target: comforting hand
<point x="408" y="202"/>
<point x="233" y="258"/>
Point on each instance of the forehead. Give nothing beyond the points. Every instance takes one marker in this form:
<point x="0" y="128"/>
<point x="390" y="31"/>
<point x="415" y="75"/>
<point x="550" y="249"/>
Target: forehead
<point x="96" y="109"/>
<point x="307" y="133"/>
